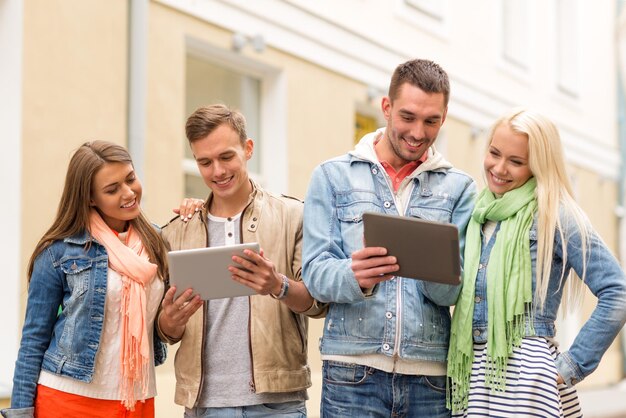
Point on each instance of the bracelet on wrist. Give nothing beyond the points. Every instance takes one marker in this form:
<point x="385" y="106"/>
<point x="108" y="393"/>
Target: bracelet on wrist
<point x="284" y="288"/>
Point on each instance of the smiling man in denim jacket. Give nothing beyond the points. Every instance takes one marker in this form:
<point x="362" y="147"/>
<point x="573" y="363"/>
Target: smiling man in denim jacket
<point x="385" y="338"/>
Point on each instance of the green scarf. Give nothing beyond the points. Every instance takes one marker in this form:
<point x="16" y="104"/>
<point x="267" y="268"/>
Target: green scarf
<point x="509" y="290"/>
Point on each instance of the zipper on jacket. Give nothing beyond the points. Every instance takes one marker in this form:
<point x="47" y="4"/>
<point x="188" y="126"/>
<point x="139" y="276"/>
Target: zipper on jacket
<point x="396" y="348"/>
<point x="252" y="380"/>
<point x="396" y="342"/>
<point x="205" y="309"/>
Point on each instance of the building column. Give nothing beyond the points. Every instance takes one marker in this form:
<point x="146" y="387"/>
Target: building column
<point x="11" y="45"/>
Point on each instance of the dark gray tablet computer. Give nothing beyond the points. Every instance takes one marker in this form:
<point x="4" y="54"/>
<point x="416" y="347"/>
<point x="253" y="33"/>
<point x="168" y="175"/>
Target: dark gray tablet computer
<point x="425" y="250"/>
<point x="206" y="271"/>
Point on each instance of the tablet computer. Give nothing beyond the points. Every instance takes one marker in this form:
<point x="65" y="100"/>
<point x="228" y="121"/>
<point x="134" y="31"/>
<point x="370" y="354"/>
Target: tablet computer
<point x="205" y="270"/>
<point x="425" y="250"/>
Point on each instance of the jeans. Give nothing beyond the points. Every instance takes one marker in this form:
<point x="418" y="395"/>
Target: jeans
<point x="351" y="390"/>
<point x="294" y="409"/>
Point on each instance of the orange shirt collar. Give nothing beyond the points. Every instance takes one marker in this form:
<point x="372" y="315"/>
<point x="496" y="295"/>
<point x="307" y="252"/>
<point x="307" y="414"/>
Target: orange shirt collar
<point x="397" y="176"/>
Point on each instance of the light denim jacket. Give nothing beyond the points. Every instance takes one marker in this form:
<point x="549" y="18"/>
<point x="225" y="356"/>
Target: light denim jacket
<point x="63" y="274"/>
<point x="604" y="278"/>
<point x="404" y="316"/>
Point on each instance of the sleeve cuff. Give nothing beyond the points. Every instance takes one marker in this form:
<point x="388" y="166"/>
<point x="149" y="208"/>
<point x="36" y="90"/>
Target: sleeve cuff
<point x="568" y="369"/>
<point x="162" y="335"/>
<point x="316" y="310"/>
<point x="369" y="292"/>
<point x="18" y="413"/>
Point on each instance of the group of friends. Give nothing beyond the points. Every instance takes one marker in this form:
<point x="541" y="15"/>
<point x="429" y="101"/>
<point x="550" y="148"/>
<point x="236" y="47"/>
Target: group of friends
<point x="100" y="309"/>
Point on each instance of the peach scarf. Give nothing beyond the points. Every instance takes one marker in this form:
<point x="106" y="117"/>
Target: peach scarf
<point x="131" y="262"/>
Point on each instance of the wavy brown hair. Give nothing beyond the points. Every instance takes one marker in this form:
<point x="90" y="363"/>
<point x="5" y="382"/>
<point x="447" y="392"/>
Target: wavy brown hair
<point x="73" y="212"/>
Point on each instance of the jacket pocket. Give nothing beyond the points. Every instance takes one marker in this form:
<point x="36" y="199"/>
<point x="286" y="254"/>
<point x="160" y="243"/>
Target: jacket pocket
<point x="350" y="209"/>
<point x="77" y="271"/>
<point x="301" y="327"/>
<point x="75" y="310"/>
<point x="436" y="213"/>
<point x="346" y="374"/>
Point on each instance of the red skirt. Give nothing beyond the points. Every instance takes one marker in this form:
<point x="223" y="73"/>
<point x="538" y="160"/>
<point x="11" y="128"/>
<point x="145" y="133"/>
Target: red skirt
<point x="52" y="403"/>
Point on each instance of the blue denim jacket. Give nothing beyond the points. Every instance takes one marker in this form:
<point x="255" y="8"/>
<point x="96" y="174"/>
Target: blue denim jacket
<point x="604" y="278"/>
<point x="66" y="344"/>
<point x="404" y="316"/>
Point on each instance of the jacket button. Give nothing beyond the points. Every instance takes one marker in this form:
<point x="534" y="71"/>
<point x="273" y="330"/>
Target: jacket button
<point x="374" y="171"/>
<point x="254" y="219"/>
<point x="386" y="347"/>
<point x="388" y="315"/>
<point x="387" y="204"/>
<point x="252" y="226"/>
<point x="477" y="299"/>
<point x="476" y="332"/>
<point x="74" y="266"/>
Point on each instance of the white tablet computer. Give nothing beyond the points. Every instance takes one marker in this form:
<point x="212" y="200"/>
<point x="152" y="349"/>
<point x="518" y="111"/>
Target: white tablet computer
<point x="425" y="250"/>
<point x="205" y="270"/>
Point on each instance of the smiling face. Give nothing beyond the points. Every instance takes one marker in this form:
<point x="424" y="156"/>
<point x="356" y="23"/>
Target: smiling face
<point x="413" y="122"/>
<point x="506" y="163"/>
<point x="222" y="161"/>
<point x="116" y="194"/>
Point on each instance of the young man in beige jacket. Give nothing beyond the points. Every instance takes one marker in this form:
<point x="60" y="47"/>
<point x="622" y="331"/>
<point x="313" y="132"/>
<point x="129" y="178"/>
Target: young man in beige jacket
<point x="243" y="356"/>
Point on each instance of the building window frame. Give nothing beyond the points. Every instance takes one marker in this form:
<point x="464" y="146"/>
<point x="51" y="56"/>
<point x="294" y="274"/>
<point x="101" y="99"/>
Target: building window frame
<point x="273" y="150"/>
<point x="516" y="35"/>
<point x="429" y="15"/>
<point x="567" y="44"/>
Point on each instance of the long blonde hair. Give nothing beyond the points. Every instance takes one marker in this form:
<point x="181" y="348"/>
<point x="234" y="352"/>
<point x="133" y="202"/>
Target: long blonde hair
<point x="73" y="212"/>
<point x="555" y="201"/>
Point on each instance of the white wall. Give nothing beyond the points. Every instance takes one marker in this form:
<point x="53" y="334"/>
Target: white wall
<point x="366" y="39"/>
<point x="11" y="17"/>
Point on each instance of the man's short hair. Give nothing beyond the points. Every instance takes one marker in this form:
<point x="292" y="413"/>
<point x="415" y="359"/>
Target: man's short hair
<point x="423" y="74"/>
<point x="207" y="119"/>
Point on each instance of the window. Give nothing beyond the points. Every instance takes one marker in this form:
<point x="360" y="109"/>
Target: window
<point x="428" y="15"/>
<point x="516" y="33"/>
<point x="363" y="124"/>
<point x="207" y="83"/>
<point x="567" y="46"/>
<point x="432" y="8"/>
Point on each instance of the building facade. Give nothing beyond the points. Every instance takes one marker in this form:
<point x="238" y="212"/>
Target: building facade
<point x="309" y="77"/>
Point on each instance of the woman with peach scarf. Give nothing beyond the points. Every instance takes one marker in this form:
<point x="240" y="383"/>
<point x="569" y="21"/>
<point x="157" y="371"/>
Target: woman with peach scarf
<point x="96" y="279"/>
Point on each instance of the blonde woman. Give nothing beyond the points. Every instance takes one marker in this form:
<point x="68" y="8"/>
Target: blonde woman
<point x="95" y="285"/>
<point x="525" y="239"/>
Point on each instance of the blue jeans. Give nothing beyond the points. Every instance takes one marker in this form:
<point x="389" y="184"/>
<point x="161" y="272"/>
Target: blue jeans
<point x="294" y="409"/>
<point x="351" y="390"/>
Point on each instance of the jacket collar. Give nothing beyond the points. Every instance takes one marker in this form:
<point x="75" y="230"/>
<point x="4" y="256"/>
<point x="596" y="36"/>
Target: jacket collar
<point x="364" y="151"/>
<point x="251" y="213"/>
<point x="80" y="238"/>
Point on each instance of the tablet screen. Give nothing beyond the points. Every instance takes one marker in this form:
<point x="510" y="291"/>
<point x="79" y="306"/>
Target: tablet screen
<point x="205" y="270"/>
<point x="425" y="250"/>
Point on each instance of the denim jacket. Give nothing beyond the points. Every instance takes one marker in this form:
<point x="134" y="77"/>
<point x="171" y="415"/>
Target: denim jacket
<point x="407" y="317"/>
<point x="66" y="275"/>
<point x="604" y="278"/>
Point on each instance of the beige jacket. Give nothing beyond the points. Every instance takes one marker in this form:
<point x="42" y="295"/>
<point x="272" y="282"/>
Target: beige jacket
<point x="278" y="336"/>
